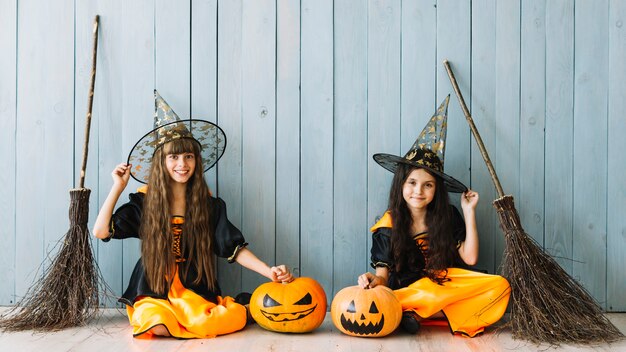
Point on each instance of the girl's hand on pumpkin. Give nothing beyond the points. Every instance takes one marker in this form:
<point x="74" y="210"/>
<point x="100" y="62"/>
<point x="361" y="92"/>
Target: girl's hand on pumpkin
<point x="369" y="280"/>
<point x="281" y="273"/>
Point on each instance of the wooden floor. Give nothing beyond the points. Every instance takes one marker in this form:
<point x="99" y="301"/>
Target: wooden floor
<point x="112" y="333"/>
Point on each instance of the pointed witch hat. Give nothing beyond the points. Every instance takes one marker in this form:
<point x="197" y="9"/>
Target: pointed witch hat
<point x="428" y="151"/>
<point x="168" y="127"/>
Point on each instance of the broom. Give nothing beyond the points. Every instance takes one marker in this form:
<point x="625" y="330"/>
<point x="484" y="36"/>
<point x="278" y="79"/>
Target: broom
<point x="67" y="294"/>
<point x="547" y="304"/>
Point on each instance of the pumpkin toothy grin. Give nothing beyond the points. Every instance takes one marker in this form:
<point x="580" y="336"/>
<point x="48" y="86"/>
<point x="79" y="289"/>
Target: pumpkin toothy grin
<point x="278" y="317"/>
<point x="362" y="328"/>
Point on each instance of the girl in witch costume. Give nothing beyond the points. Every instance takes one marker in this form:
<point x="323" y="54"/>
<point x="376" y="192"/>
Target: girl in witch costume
<point x="173" y="289"/>
<point x="423" y="249"/>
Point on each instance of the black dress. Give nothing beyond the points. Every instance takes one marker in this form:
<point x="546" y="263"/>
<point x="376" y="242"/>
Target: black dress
<point x="383" y="257"/>
<point x="228" y="241"/>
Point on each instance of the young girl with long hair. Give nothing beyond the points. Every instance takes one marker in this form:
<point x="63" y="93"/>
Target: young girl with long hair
<point x="422" y="247"/>
<point x="173" y="290"/>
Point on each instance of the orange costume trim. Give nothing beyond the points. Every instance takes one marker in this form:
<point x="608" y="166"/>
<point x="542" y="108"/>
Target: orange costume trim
<point x="470" y="300"/>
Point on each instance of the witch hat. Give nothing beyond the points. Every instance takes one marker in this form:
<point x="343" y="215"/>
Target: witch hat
<point x="428" y="151"/>
<point x="168" y="127"/>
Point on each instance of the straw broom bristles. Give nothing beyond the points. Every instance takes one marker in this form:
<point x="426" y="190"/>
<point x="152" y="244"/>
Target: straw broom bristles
<point x="67" y="293"/>
<point x="547" y="304"/>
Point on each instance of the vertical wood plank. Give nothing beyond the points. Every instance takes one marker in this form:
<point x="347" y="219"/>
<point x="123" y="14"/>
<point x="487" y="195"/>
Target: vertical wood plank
<point x="173" y="54"/>
<point x="43" y="137"/>
<point x="507" y="109"/>
<point x="8" y="120"/>
<point x="453" y="43"/>
<point x="383" y="101"/>
<point x="59" y="151"/>
<point x="259" y="133"/>
<point x="288" y="134"/>
<point x="350" y="251"/>
<point x="418" y="69"/>
<point x="616" y="229"/>
<point x="590" y="157"/>
<point x="485" y="60"/>
<point x="506" y="153"/>
<point x="532" y="119"/>
<point x="317" y="141"/>
<point x="137" y="62"/>
<point x="229" y="114"/>
<point x="559" y="126"/>
<point x="204" y="67"/>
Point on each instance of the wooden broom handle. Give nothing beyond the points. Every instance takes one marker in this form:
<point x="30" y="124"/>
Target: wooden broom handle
<point x="468" y="117"/>
<point x="90" y="100"/>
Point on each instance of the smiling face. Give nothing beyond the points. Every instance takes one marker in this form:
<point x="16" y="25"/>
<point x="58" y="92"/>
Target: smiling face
<point x="180" y="167"/>
<point x="419" y="189"/>
<point x="299" y="306"/>
<point x="180" y="161"/>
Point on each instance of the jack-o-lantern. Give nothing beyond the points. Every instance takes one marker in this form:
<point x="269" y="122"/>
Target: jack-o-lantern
<point x="298" y="306"/>
<point x="372" y="312"/>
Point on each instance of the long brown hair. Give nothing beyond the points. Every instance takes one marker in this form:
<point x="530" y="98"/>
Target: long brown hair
<point x="155" y="230"/>
<point x="442" y="251"/>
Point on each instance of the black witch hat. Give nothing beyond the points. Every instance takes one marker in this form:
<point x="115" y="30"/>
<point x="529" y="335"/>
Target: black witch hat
<point x="428" y="150"/>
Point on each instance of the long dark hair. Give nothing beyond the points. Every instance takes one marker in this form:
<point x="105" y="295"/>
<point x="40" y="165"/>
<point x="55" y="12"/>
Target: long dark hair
<point x="155" y="231"/>
<point x="442" y="251"/>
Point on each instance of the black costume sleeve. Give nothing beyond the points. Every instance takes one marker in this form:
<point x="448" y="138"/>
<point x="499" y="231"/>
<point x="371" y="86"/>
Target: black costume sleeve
<point x="381" y="248"/>
<point x="228" y="239"/>
<point x="126" y="219"/>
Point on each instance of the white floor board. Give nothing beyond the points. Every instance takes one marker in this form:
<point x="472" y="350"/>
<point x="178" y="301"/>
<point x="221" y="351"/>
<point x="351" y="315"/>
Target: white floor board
<point x="112" y="333"/>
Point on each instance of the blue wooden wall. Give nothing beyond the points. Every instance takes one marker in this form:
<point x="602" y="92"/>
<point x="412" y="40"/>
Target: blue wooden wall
<point x="306" y="92"/>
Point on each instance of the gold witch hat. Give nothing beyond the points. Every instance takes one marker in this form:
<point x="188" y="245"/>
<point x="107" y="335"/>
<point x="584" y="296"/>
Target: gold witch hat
<point x="428" y="151"/>
<point x="168" y="127"/>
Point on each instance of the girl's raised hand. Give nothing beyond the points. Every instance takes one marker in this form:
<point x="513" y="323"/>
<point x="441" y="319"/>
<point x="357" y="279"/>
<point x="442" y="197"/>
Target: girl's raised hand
<point x="281" y="273"/>
<point x="469" y="200"/>
<point x="121" y="175"/>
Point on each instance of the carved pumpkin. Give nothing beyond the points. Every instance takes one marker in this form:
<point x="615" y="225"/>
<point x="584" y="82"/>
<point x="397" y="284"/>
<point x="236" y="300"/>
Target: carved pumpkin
<point x="298" y="306"/>
<point x="373" y="312"/>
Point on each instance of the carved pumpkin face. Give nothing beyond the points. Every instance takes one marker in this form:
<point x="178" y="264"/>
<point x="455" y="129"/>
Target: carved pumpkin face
<point x="362" y="312"/>
<point x="299" y="306"/>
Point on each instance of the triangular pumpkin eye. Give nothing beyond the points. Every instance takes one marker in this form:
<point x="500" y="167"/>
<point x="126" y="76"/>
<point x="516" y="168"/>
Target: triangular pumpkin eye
<point x="307" y="299"/>
<point x="351" y="308"/>
<point x="270" y="302"/>
<point x="373" y="308"/>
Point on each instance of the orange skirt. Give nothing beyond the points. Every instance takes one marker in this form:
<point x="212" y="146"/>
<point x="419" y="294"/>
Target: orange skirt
<point x="185" y="314"/>
<point x="470" y="300"/>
